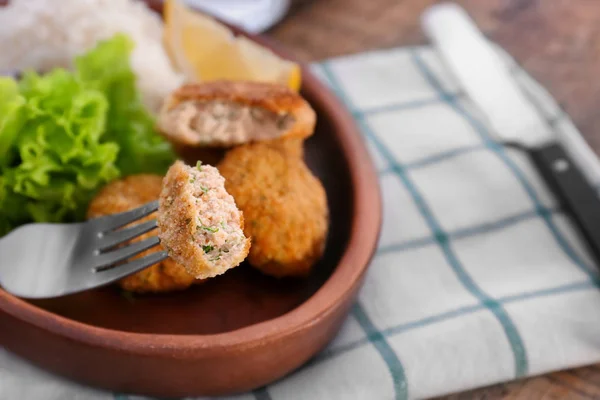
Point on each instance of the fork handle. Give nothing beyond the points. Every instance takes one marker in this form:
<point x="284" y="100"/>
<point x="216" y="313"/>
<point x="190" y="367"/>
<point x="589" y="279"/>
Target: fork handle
<point x="577" y="196"/>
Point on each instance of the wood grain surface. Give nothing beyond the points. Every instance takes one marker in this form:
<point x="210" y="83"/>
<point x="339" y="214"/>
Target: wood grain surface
<point x="557" y="41"/>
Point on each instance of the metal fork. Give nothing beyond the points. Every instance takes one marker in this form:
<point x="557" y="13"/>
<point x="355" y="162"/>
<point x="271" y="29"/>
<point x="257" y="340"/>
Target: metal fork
<point x="51" y="260"/>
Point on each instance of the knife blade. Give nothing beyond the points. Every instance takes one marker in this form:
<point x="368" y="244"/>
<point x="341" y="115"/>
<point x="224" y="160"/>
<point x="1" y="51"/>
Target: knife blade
<point x="566" y="163"/>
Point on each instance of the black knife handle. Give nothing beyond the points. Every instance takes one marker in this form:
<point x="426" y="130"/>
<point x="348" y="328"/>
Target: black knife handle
<point x="577" y="197"/>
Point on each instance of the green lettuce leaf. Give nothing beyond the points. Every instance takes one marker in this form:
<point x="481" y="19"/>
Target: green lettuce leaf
<point x="61" y="159"/>
<point x="129" y="125"/>
<point x="64" y="135"/>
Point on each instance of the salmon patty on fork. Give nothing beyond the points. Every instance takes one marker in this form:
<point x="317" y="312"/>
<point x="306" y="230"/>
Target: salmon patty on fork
<point x="198" y="221"/>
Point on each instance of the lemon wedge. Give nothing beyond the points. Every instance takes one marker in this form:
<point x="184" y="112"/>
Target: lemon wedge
<point x="204" y="50"/>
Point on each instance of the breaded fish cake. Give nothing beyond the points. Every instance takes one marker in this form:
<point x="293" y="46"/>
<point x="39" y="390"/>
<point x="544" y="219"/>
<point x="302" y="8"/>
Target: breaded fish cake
<point x="124" y="195"/>
<point x="284" y="205"/>
<point x="226" y="113"/>
<point x="198" y="221"/>
<point x="293" y="147"/>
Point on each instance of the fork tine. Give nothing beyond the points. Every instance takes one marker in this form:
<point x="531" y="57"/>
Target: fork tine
<point x="114" y="238"/>
<point x="134" y="266"/>
<point x="116" y="221"/>
<point x="123" y="253"/>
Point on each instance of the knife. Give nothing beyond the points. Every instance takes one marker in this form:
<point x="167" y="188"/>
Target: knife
<point x="567" y="164"/>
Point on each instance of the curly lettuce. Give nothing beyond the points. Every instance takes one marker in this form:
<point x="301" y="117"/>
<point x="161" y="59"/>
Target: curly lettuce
<point x="65" y="134"/>
<point x="128" y="123"/>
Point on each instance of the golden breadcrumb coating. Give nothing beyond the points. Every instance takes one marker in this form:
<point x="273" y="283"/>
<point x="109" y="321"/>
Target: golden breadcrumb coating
<point x="284" y="205"/>
<point x="198" y="221"/>
<point x="124" y="195"/>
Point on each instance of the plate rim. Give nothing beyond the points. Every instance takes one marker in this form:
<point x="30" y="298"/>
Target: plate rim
<point x="347" y="274"/>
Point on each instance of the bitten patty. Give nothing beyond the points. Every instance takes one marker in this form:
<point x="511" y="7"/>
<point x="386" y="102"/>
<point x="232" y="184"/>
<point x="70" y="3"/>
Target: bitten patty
<point x="198" y="221"/>
<point x="227" y="113"/>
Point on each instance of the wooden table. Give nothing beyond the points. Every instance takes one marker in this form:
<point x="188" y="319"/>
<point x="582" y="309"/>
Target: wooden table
<point x="557" y="41"/>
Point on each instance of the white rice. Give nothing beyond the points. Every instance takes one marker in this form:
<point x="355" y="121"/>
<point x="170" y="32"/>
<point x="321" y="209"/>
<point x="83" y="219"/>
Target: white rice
<point x="43" y="34"/>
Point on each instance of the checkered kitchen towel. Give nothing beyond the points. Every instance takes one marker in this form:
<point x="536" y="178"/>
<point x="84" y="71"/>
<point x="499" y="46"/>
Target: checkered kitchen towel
<point x="479" y="277"/>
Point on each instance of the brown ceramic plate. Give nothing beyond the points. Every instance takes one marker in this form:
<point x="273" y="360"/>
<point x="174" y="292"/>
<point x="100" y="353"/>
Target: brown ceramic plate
<point x="237" y="332"/>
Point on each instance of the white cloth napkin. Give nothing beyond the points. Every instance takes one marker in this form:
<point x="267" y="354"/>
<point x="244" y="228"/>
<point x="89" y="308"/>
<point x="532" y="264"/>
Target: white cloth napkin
<point x="479" y="278"/>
